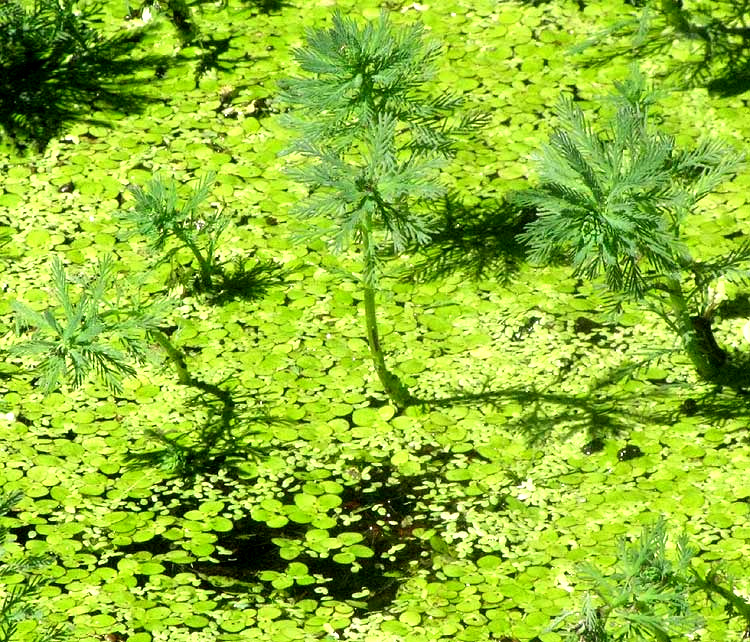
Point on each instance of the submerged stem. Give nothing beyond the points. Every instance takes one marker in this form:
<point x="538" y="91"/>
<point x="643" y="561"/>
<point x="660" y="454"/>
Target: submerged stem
<point x="183" y="374"/>
<point x="206" y="269"/>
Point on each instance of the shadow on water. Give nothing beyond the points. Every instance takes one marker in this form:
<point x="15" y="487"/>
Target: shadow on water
<point x="244" y="278"/>
<point x="377" y="511"/>
<point x="719" y="38"/>
<point x="622" y="399"/>
<point x="55" y="68"/>
<point x="479" y="241"/>
<point x="223" y="442"/>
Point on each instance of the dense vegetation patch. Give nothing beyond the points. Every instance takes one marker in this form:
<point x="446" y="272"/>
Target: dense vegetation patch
<point x="196" y="445"/>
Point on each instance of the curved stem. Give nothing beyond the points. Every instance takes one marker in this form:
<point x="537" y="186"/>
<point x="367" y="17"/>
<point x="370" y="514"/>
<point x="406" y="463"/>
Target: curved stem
<point x="697" y="336"/>
<point x="205" y="267"/>
<point x="396" y="390"/>
<point x="183" y="374"/>
<point x="175" y="356"/>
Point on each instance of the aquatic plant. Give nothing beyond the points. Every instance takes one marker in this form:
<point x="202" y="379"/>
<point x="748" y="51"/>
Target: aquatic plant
<point x="647" y="596"/>
<point x="56" y="67"/>
<point x="158" y="215"/>
<point x="85" y="332"/>
<point x="616" y="203"/>
<point x="20" y="583"/>
<point x="372" y="142"/>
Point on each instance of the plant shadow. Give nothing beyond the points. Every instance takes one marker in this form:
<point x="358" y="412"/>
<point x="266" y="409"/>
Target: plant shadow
<point x="223" y="442"/>
<point x="479" y="241"/>
<point x="609" y="409"/>
<point x="547" y="414"/>
<point x="55" y="68"/>
<point x="379" y="510"/>
<point x="244" y="278"/>
<point x="267" y="6"/>
<point x="720" y="40"/>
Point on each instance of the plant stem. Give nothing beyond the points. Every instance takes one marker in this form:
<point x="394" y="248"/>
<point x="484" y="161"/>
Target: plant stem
<point x="697" y="337"/>
<point x="175" y="356"/>
<point x="205" y="266"/>
<point x="183" y="374"/>
<point x="737" y="604"/>
<point x="396" y="390"/>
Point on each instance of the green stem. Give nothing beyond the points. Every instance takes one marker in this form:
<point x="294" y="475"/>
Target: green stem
<point x="737" y="604"/>
<point x="396" y="390"/>
<point x="698" y="339"/>
<point x="205" y="267"/>
<point x="183" y="374"/>
<point x="175" y="356"/>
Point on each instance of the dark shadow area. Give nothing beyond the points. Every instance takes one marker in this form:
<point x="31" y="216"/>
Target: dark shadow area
<point x="262" y="6"/>
<point x="718" y="33"/>
<point x="478" y="241"/>
<point x="223" y="442"/>
<point x="244" y="278"/>
<point x="55" y="68"/>
<point x="718" y="406"/>
<point x="267" y="6"/>
<point x="212" y="49"/>
<point x="381" y="511"/>
<point x="599" y="415"/>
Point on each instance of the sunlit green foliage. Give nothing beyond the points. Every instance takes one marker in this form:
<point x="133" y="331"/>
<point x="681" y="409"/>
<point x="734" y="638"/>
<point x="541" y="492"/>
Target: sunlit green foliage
<point x="647" y="597"/>
<point x="651" y="595"/>
<point x="85" y="331"/>
<point x="616" y="202"/>
<point x="171" y="225"/>
<point x="373" y="141"/>
<point x="440" y="523"/>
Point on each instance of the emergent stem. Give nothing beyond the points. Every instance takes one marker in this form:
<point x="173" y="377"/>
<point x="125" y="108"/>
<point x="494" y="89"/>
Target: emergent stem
<point x="697" y="336"/>
<point x="205" y="267"/>
<point x="396" y="390"/>
<point x="175" y="356"/>
<point x="738" y="604"/>
<point x="183" y="374"/>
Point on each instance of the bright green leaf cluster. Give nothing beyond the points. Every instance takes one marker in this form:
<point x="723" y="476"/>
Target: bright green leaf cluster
<point x="372" y="138"/>
<point x="614" y="202"/>
<point x="87" y="333"/>
<point x="159" y="216"/>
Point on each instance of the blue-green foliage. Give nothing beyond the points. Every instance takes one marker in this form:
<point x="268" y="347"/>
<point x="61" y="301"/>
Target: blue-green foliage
<point x="372" y="137"/>
<point x="614" y="202"/>
<point x="647" y="597"/>
<point x="159" y="215"/>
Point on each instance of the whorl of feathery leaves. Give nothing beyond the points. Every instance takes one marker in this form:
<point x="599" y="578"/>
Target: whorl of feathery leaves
<point x="159" y="215"/>
<point x="357" y="74"/>
<point x="370" y="139"/>
<point x="78" y="336"/>
<point x="646" y="596"/>
<point x="371" y="196"/>
<point x="360" y="73"/>
<point x="612" y="202"/>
